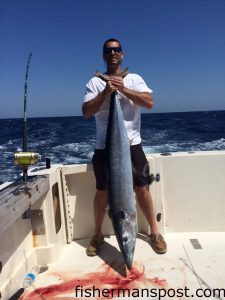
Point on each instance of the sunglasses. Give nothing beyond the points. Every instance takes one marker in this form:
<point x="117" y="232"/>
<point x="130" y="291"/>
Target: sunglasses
<point x="110" y="50"/>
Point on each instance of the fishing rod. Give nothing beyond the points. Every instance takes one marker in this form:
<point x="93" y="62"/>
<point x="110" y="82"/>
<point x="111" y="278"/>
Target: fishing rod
<point x="25" y="134"/>
<point x="25" y="158"/>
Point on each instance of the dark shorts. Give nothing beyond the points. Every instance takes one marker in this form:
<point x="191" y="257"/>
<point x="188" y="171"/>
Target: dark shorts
<point x="140" y="167"/>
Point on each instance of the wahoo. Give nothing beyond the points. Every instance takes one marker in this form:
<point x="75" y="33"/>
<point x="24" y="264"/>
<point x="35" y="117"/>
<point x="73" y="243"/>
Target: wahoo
<point x="122" y="207"/>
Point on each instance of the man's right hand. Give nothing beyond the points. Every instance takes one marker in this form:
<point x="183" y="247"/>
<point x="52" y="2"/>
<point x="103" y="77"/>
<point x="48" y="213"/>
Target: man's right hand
<point x="110" y="88"/>
<point x="91" y="107"/>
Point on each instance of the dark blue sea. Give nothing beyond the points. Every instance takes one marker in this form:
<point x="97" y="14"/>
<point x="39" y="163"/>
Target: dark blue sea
<point x="71" y="140"/>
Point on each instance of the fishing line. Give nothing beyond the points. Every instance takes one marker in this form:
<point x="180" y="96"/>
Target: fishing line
<point x="44" y="66"/>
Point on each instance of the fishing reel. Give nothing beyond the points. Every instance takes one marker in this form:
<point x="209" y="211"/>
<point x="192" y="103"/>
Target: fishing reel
<point x="26" y="159"/>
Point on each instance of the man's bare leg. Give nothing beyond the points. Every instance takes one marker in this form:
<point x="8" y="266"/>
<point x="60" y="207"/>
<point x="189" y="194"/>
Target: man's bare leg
<point x="146" y="204"/>
<point x="156" y="240"/>
<point x="100" y="204"/>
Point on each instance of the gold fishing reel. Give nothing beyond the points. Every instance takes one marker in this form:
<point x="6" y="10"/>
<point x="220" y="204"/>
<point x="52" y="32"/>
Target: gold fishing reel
<point x="25" y="159"/>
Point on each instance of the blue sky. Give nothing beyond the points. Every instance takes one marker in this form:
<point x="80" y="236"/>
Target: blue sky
<point x="177" y="46"/>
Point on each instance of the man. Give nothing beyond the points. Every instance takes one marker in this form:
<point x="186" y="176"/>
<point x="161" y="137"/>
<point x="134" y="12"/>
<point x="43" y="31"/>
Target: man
<point x="134" y="94"/>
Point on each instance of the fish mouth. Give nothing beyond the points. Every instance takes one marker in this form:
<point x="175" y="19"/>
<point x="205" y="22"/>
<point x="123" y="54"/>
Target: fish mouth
<point x="125" y="228"/>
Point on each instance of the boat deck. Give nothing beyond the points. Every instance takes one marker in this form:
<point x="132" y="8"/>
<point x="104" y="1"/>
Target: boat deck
<point x="193" y="261"/>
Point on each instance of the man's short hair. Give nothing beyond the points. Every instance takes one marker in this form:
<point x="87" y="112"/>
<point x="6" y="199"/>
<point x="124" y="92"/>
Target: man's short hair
<point x="111" y="40"/>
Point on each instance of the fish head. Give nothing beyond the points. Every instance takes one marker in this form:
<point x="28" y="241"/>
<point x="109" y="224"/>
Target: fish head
<point x="125" y="229"/>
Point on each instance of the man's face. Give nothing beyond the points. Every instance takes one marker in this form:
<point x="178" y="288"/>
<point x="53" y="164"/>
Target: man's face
<point x="113" y="54"/>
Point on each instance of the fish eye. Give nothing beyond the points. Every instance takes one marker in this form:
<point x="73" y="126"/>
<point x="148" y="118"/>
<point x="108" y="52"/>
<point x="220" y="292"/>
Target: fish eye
<point x="122" y="214"/>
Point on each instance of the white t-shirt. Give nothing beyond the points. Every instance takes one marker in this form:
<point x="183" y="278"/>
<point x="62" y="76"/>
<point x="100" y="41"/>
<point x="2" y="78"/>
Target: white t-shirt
<point x="131" y="111"/>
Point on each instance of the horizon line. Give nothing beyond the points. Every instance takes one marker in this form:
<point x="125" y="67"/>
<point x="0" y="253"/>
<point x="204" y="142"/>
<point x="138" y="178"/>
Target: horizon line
<point x="142" y="113"/>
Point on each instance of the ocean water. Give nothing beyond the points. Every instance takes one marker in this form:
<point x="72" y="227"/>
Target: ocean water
<point x="71" y="140"/>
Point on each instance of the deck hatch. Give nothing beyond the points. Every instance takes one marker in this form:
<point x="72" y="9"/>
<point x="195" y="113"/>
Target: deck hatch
<point x="195" y="243"/>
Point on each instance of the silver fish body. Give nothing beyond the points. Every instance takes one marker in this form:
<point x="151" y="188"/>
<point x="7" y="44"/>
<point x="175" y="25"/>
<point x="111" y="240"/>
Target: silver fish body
<point x="122" y="206"/>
